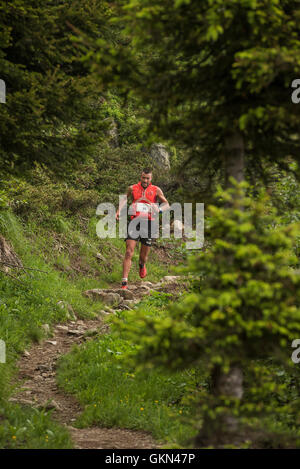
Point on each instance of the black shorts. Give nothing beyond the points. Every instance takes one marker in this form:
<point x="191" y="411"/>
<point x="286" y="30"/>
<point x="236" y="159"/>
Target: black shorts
<point x="146" y="233"/>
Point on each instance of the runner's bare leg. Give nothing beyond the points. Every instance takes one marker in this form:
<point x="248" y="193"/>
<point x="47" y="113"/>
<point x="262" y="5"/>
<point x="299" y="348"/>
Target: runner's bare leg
<point x="144" y="253"/>
<point x="130" y="245"/>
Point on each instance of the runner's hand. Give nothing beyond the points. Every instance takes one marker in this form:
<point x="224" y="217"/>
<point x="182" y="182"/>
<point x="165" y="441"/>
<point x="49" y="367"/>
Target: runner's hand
<point x="154" y="208"/>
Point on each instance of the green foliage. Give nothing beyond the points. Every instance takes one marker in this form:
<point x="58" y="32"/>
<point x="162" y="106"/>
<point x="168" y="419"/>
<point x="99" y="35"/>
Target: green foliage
<point x="47" y="197"/>
<point x="52" y="111"/>
<point x="26" y="303"/>
<point x="204" y="70"/>
<point x="25" y="428"/>
<point x="283" y="188"/>
<point x="31" y="299"/>
<point x="114" y="395"/>
<point x="127" y="117"/>
<point x="285" y="193"/>
<point x="41" y="196"/>
<point x="243" y="305"/>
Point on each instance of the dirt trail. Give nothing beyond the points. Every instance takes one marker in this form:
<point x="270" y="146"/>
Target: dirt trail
<point x="39" y="389"/>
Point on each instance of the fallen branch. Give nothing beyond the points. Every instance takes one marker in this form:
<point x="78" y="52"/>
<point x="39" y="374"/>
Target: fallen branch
<point x="12" y="276"/>
<point x="22" y="267"/>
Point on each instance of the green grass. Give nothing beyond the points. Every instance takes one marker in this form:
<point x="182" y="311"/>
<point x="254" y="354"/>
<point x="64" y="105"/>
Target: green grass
<point x="41" y="290"/>
<point x="26" y="428"/>
<point x="115" y="395"/>
<point x="82" y="243"/>
<point x="61" y="240"/>
<point x="26" y="305"/>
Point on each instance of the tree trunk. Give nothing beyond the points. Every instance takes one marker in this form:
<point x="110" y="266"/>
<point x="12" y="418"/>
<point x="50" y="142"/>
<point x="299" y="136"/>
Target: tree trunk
<point x="225" y="428"/>
<point x="234" y="158"/>
<point x="231" y="384"/>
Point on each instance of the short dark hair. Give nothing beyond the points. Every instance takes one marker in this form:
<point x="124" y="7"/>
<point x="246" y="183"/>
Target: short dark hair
<point x="147" y="170"/>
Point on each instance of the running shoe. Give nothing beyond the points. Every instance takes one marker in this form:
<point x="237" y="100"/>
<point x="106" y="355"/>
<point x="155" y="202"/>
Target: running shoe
<point x="143" y="270"/>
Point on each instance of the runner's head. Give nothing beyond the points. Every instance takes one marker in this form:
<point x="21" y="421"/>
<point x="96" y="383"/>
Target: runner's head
<point x="146" y="177"/>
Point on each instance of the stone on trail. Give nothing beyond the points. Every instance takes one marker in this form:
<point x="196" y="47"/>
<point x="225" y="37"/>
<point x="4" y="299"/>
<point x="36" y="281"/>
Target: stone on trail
<point x="100" y="257"/>
<point x="171" y="278"/>
<point x="143" y="290"/>
<point x="109" y="310"/>
<point x="46" y="328"/>
<point x="50" y="405"/>
<point x="70" y="314"/>
<point x="22" y="401"/>
<point x="156" y="285"/>
<point x="147" y="284"/>
<point x="111" y="298"/>
<point x="104" y="312"/>
<point x="126" y="294"/>
<point x="74" y="332"/>
<point x="128" y="302"/>
<point x="95" y="293"/>
<point x="91" y="332"/>
<point x="102" y="295"/>
<point x="43" y="367"/>
<point x="62" y="328"/>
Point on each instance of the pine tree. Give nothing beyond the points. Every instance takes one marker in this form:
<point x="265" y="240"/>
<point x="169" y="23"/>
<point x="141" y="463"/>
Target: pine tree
<point x="213" y="76"/>
<point x="53" y="110"/>
<point x="242" y="309"/>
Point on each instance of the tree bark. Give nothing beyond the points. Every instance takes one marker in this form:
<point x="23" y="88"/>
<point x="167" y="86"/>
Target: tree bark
<point x="234" y="158"/>
<point x="225" y="428"/>
<point x="231" y="384"/>
<point x="228" y="384"/>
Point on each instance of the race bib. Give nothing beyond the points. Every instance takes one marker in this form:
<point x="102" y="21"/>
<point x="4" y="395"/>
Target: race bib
<point x="140" y="207"/>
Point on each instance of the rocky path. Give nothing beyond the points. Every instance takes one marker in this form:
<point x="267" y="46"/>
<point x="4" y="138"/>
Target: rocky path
<point x="37" y="370"/>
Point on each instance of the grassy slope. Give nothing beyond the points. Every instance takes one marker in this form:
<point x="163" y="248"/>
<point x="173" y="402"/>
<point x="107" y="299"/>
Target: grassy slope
<point x="68" y="260"/>
<point x="51" y="225"/>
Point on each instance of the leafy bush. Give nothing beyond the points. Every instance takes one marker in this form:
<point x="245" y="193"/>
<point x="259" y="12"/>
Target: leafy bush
<point x="244" y="306"/>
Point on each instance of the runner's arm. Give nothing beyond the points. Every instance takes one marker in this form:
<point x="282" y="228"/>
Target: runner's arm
<point x="123" y="201"/>
<point x="164" y="203"/>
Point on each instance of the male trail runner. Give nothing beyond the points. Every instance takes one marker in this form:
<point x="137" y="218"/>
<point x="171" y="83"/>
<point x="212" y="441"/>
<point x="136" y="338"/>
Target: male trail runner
<point x="145" y="197"/>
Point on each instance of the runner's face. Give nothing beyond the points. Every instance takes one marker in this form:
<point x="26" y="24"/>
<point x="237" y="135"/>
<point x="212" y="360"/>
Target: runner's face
<point x="146" y="179"/>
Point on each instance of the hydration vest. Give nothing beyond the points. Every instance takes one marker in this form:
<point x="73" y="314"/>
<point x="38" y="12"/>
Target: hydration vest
<point x="142" y="199"/>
